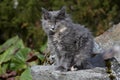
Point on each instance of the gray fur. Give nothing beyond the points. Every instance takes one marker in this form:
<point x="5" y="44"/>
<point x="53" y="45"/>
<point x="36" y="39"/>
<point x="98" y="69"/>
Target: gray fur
<point x="72" y="44"/>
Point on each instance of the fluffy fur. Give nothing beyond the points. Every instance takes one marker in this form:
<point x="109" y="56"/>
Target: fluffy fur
<point x="70" y="43"/>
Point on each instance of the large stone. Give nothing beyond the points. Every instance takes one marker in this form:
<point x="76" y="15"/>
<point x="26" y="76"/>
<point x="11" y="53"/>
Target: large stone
<point x="102" y="43"/>
<point x="106" y="41"/>
<point x="48" y="73"/>
<point x="109" y="38"/>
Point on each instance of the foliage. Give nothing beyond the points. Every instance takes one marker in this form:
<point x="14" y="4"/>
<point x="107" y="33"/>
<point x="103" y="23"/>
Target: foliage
<point x="16" y="59"/>
<point x="24" y="21"/>
<point x="97" y="15"/>
<point x="22" y="17"/>
<point x="26" y="75"/>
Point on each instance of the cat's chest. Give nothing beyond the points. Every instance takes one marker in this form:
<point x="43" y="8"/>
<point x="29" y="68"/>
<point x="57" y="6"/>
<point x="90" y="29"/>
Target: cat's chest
<point x="62" y="38"/>
<point x="57" y="37"/>
<point x="60" y="34"/>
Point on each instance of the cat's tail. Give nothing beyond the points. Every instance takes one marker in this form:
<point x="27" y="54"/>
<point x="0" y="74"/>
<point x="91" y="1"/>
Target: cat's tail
<point x="113" y="52"/>
<point x="99" y="59"/>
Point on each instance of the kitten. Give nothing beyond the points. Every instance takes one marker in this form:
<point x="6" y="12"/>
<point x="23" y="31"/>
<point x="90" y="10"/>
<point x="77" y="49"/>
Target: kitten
<point x="70" y="43"/>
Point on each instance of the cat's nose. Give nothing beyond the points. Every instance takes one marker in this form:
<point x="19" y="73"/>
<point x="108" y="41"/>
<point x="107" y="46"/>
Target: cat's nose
<point x="52" y="28"/>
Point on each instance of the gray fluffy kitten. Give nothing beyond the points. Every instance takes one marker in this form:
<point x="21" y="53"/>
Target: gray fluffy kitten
<point x="70" y="43"/>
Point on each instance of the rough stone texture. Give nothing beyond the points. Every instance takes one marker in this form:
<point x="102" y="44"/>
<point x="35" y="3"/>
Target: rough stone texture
<point x="102" y="42"/>
<point x="106" y="41"/>
<point x="109" y="38"/>
<point x="48" y="73"/>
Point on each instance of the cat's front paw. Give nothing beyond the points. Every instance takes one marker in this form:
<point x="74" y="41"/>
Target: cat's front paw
<point x="73" y="68"/>
<point x="61" y="68"/>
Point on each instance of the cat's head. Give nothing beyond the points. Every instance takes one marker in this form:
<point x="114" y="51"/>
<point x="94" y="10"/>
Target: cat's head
<point x="52" y="20"/>
<point x="54" y="15"/>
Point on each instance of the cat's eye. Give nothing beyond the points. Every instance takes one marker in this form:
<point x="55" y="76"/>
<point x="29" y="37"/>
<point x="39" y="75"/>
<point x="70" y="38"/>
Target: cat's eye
<point x="49" y="25"/>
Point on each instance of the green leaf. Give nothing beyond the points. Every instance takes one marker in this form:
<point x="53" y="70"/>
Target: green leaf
<point x="3" y="68"/>
<point x="7" y="55"/>
<point x="19" y="44"/>
<point x="26" y="75"/>
<point x="43" y="47"/>
<point x="41" y="57"/>
<point x="19" y="60"/>
<point x="22" y="54"/>
<point x="8" y="43"/>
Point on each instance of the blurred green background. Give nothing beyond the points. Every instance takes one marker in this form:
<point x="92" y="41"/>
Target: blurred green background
<point x="22" y="17"/>
<point x="22" y="40"/>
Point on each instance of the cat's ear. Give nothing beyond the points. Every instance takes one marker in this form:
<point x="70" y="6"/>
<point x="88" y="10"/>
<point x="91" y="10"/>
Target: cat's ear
<point x="45" y="13"/>
<point x="62" y="12"/>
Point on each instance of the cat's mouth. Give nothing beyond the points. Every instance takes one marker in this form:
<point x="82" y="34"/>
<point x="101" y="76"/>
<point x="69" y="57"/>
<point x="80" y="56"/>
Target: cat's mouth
<point x="51" y="32"/>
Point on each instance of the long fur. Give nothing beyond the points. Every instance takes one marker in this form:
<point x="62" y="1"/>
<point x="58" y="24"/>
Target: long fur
<point x="72" y="44"/>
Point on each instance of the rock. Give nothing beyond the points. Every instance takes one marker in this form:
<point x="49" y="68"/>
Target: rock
<point x="102" y="43"/>
<point x="48" y="73"/>
<point x="109" y="38"/>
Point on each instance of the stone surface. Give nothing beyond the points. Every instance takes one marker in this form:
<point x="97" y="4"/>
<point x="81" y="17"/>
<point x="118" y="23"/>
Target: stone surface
<point x="109" y="38"/>
<point x="48" y="73"/>
<point x="102" y="43"/>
